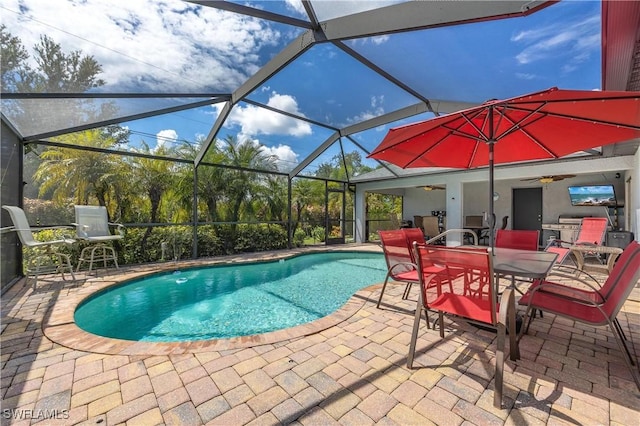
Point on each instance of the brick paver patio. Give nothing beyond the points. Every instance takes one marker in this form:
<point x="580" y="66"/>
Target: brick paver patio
<point x="348" y="369"/>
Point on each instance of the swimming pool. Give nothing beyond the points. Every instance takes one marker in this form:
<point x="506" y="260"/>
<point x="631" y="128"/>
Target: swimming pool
<point x="218" y="302"/>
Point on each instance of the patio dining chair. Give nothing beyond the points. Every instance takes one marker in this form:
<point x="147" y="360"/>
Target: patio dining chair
<point x="400" y="265"/>
<point x="397" y="246"/>
<point x="92" y="227"/>
<point x="44" y="257"/>
<point x="465" y="268"/>
<point x="485" y="234"/>
<point x="517" y="239"/>
<point x="432" y="228"/>
<point x="586" y="302"/>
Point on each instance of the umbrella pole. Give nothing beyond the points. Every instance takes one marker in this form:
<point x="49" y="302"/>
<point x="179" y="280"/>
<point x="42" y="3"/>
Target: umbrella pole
<point x="491" y="142"/>
<point x="491" y="191"/>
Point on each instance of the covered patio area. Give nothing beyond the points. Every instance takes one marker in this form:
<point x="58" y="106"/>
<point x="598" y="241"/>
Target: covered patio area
<point x="349" y="368"/>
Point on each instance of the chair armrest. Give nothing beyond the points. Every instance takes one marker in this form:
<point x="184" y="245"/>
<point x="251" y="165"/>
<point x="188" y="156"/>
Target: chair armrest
<point x="81" y="234"/>
<point x="567" y="285"/>
<point x="413" y="267"/>
<point x="575" y="276"/>
<point x="119" y="227"/>
<point x="569" y="293"/>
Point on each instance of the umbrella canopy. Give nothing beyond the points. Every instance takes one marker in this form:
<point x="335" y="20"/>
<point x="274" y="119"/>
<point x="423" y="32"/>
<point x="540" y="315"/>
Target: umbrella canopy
<point x="543" y="125"/>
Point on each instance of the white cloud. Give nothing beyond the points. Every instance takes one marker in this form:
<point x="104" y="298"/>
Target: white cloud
<point x="525" y="76"/>
<point x="287" y="158"/>
<point x="297" y="7"/>
<point x="149" y="45"/>
<point x="377" y="40"/>
<point x="377" y="109"/>
<point x="575" y="41"/>
<point x="165" y="137"/>
<point x="254" y="121"/>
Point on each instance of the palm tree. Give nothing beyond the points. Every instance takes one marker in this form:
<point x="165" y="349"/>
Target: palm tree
<point x="241" y="184"/>
<point x="272" y="198"/>
<point x="305" y="193"/>
<point x="211" y="182"/>
<point x="79" y="174"/>
<point x="154" y="177"/>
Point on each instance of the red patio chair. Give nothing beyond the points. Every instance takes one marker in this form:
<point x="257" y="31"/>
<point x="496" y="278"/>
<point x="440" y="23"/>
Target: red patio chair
<point x="400" y="263"/>
<point x="398" y="251"/>
<point x="592" y="231"/>
<point x="464" y="268"/>
<point x="517" y="239"/>
<point x="596" y="306"/>
<point x="413" y="234"/>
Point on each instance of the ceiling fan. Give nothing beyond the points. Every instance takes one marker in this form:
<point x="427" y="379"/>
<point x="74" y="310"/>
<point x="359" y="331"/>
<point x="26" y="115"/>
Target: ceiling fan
<point x="549" y="179"/>
<point x="431" y="187"/>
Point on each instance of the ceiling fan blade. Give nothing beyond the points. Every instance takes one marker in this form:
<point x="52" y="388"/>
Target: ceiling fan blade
<point x="561" y="177"/>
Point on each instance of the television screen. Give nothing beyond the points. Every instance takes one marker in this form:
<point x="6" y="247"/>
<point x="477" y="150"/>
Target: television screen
<point x="592" y="195"/>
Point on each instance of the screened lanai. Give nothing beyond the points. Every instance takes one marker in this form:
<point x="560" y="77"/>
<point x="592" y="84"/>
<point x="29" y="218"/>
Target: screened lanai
<point x="212" y="127"/>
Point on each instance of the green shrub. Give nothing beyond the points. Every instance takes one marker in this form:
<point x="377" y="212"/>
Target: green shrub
<point x="213" y="240"/>
<point x="318" y="233"/>
<point x="298" y="237"/>
<point x="251" y="238"/>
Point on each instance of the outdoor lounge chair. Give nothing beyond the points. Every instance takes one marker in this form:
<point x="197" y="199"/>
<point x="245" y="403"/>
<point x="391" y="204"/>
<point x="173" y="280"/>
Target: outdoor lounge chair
<point x="582" y="301"/>
<point x="464" y="268"/>
<point x="591" y="232"/>
<point x="92" y="226"/>
<point x="44" y="258"/>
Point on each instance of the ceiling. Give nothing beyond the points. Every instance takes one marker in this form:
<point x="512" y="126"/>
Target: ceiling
<point x="341" y="72"/>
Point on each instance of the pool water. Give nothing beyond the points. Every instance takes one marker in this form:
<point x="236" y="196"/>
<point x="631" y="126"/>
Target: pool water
<point x="218" y="302"/>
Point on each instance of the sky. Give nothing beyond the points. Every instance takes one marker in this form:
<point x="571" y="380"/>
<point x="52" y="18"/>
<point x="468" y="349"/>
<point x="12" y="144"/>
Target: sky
<point x="148" y="46"/>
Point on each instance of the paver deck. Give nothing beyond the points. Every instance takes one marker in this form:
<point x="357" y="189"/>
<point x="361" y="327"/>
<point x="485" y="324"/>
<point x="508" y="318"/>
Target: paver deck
<point x="348" y="368"/>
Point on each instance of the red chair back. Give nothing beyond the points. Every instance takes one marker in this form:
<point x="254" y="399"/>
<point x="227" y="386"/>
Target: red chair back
<point x="413" y="234"/>
<point x="470" y="271"/>
<point x="517" y="239"/>
<point x="622" y="279"/>
<point x="396" y="250"/>
<point x="592" y="231"/>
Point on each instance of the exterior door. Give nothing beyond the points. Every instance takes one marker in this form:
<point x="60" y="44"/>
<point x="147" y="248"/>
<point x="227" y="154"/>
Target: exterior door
<point x="527" y="209"/>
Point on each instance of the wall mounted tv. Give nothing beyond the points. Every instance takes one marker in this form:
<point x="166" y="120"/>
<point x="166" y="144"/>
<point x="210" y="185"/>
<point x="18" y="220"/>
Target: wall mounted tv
<point x="593" y="195"/>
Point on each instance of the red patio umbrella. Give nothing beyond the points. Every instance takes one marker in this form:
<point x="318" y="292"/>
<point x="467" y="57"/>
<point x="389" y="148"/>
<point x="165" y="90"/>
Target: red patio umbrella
<point x="542" y="125"/>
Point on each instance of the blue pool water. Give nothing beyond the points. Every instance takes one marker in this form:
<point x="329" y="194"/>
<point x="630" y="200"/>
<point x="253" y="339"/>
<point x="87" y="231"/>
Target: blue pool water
<point x="218" y="302"/>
